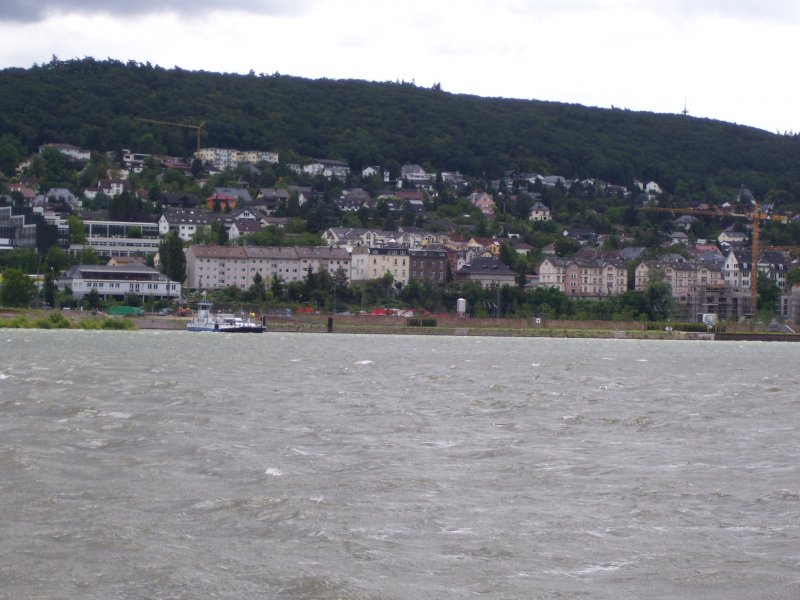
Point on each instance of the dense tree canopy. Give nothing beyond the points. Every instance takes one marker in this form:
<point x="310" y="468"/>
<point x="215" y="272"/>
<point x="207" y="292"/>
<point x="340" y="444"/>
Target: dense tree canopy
<point x="94" y="104"/>
<point x="16" y="288"/>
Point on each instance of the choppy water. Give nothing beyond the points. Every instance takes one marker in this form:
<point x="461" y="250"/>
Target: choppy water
<point x="179" y="465"/>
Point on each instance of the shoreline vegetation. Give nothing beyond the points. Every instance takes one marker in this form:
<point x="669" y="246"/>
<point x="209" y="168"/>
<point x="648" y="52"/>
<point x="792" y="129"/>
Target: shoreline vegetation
<point x="349" y="324"/>
<point x="53" y="319"/>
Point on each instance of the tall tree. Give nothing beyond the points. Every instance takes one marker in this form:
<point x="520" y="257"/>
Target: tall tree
<point x="171" y="257"/>
<point x="658" y="299"/>
<point x="17" y="289"/>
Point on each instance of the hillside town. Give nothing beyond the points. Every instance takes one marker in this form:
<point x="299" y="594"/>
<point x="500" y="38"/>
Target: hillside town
<point x="403" y="223"/>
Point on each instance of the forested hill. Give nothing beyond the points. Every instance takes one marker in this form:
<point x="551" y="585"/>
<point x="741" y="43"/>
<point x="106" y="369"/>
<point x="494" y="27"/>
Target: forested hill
<point x="92" y="104"/>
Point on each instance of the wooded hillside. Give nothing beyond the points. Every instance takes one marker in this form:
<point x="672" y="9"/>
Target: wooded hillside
<point x="93" y="103"/>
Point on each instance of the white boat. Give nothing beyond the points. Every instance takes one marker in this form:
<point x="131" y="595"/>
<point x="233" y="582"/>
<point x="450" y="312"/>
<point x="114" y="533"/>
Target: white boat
<point x="204" y="320"/>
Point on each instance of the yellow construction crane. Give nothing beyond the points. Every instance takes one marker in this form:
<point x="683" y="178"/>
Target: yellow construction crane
<point x="198" y="128"/>
<point x="755" y="217"/>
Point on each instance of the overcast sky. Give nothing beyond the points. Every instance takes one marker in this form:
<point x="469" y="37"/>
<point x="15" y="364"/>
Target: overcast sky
<point x="732" y="60"/>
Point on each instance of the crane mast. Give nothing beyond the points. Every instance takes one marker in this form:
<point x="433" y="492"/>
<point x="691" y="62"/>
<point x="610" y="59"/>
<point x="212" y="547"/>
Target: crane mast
<point x="197" y="128"/>
<point x="755" y="217"/>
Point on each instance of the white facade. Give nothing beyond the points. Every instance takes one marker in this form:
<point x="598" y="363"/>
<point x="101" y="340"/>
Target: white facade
<point x="116" y="281"/>
<point x="186" y="222"/>
<point x="327" y="168"/>
<point x="68" y="150"/>
<point x="737" y="270"/>
<point x="227" y="157"/>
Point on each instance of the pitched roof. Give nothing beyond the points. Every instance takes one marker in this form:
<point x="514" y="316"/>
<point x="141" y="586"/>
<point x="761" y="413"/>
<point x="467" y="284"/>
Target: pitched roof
<point x="193" y="217"/>
<point x="486" y="264"/>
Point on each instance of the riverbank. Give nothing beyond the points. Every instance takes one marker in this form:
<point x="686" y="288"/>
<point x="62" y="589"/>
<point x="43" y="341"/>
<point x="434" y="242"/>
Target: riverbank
<point x="371" y="324"/>
<point x="54" y="319"/>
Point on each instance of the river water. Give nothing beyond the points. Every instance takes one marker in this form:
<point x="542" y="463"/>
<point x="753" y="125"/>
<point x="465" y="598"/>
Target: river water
<point x="184" y="465"/>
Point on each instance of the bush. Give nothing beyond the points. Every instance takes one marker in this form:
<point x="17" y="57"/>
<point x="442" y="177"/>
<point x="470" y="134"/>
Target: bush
<point x="689" y="327"/>
<point x="108" y="323"/>
<point x="425" y="322"/>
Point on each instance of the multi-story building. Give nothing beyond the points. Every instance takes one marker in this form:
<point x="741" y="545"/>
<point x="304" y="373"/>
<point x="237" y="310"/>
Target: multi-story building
<point x="186" y="221"/>
<point x="119" y="238"/>
<point x="391" y="259"/>
<point x="350" y="237"/>
<point x="318" y="258"/>
<point x="114" y="282"/>
<point x="210" y="267"/>
<point x="415" y="174"/>
<point x="684" y="278"/>
<point x="697" y="287"/>
<point x="327" y="168"/>
<point x="790" y="304"/>
<point x="134" y="161"/>
<point x="485" y="203"/>
<point x="585" y="277"/>
<point x="227" y="157"/>
<point x="428" y="265"/>
<point x="488" y="271"/>
<point x="15" y="231"/>
<point x="774" y="265"/>
<point x="738" y="268"/>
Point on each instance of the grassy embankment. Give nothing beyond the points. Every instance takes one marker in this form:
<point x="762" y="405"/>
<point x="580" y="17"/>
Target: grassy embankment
<point x="37" y="319"/>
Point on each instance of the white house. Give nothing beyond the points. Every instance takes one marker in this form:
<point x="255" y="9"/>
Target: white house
<point x="327" y="168"/>
<point x="117" y="281"/>
<point x="68" y="150"/>
<point x="730" y="236"/>
<point x="371" y="172"/>
<point x="186" y="221"/>
<point x="539" y="212"/>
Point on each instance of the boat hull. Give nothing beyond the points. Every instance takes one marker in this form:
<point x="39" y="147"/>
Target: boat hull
<point x="212" y="328"/>
<point x="204" y="320"/>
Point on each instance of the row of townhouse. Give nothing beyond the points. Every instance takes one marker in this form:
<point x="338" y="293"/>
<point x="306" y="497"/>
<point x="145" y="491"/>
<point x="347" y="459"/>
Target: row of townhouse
<point x="684" y="278"/>
<point x="328" y="168"/>
<point x="697" y="287"/>
<point x="211" y="267"/>
<point x="227" y="157"/>
<point x="723" y="288"/>
<point x="585" y="277"/>
<point x="350" y="237"/>
<point x="404" y="264"/>
<point x="771" y="264"/>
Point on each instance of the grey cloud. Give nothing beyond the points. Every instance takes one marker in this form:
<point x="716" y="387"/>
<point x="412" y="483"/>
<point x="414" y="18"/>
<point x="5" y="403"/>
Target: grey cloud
<point x="27" y="11"/>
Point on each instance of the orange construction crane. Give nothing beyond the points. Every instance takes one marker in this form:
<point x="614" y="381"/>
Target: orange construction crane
<point x="755" y="217"/>
<point x="198" y="128"/>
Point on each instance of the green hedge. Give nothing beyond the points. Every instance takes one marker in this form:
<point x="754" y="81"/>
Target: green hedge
<point x="689" y="327"/>
<point x="425" y="322"/>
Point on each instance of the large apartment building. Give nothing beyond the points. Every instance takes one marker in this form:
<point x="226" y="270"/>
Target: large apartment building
<point x="227" y="157"/>
<point x="211" y="267"/>
<point x="373" y="263"/>
<point x="684" y="278"/>
<point x="585" y="277"/>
